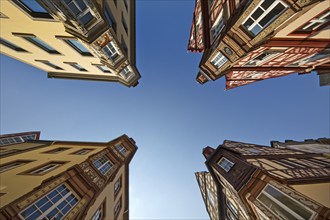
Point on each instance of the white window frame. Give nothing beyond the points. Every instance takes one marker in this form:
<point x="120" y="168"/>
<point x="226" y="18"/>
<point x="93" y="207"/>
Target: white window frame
<point x="219" y="60"/>
<point x="55" y="205"/>
<point x="225" y="164"/>
<point x="46" y="168"/>
<point x="264" y="14"/>
<point x="210" y="196"/>
<point x="268" y="57"/>
<point x="83" y="152"/>
<point x="321" y="19"/>
<point x="117" y="186"/>
<point x="121" y="148"/>
<point x="103" y="164"/>
<point x="98" y="214"/>
<point x="284" y="206"/>
<point x="127" y="73"/>
<point x="82" y="12"/>
<point x="218" y="25"/>
<point x="113" y="51"/>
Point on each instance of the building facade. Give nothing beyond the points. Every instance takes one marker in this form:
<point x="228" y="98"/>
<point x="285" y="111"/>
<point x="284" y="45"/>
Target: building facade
<point x="71" y="39"/>
<point x="66" y="180"/>
<point x="262" y="182"/>
<point x="251" y="40"/>
<point x="209" y="193"/>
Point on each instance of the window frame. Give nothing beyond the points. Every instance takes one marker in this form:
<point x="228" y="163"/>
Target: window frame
<point x="103" y="164"/>
<point x="48" y="63"/>
<point x="121" y="149"/>
<point x="38" y="43"/>
<point x="117" y="208"/>
<point x="262" y="16"/>
<point x="281" y="204"/>
<point x="300" y="32"/>
<point x="56" y="150"/>
<point x="117" y="189"/>
<point x="11" y="45"/>
<point x="69" y="42"/>
<point x="99" y="66"/>
<point x="33" y="171"/>
<point x="227" y="165"/>
<point x="87" y="150"/>
<point x="54" y="205"/>
<point x="82" y="12"/>
<point x="4" y="167"/>
<point x="114" y="53"/>
<point x="76" y="66"/>
<point x="219" y="60"/>
<point x="102" y="209"/>
<point x="29" y="11"/>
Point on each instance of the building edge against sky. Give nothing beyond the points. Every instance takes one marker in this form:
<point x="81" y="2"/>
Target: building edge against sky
<point x="246" y="181"/>
<point x="248" y="41"/>
<point x="80" y="180"/>
<point x="90" y="40"/>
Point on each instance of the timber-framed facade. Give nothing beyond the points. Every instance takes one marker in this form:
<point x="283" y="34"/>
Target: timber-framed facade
<point x="262" y="182"/>
<point x="249" y="41"/>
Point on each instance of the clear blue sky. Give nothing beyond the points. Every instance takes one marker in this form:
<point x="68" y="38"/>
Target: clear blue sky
<point x="170" y="116"/>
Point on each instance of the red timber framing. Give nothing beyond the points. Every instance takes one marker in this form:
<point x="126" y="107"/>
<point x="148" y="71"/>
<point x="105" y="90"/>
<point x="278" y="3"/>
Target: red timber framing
<point x="286" y="59"/>
<point x="215" y="11"/>
<point x="199" y="32"/>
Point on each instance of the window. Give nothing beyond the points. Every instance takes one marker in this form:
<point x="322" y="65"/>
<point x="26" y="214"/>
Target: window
<point x="100" y="212"/>
<point x="12" y="165"/>
<point x="117" y="208"/>
<point x="124" y="22"/>
<point x="33" y="8"/>
<point x="42" y="45"/>
<point x="232" y="207"/>
<point x="218" y="25"/>
<point x="81" y="10"/>
<point x="49" y="64"/>
<point x="54" y="205"/>
<point x="11" y="45"/>
<point x="57" y="150"/>
<point x="219" y="60"/>
<point x="283" y="206"/>
<point x="46" y="168"/>
<point x="77" y="66"/>
<point x="126" y="73"/>
<point x="111" y="51"/>
<point x="75" y="44"/>
<point x="103" y="68"/>
<point x="110" y="18"/>
<point x="121" y="149"/>
<point x="210" y="197"/>
<point x="83" y="151"/>
<point x="117" y="186"/>
<point x="267" y="55"/>
<point x="103" y="165"/>
<point x="225" y="164"/>
<point x="263" y="15"/>
<point x="314" y="24"/>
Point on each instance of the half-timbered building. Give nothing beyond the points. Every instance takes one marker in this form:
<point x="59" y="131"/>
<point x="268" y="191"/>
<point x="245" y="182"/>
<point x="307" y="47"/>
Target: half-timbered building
<point x="262" y="182"/>
<point x="251" y="40"/>
<point x="44" y="179"/>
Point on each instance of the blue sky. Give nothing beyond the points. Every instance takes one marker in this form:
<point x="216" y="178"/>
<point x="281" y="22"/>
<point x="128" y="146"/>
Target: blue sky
<point x="170" y="116"/>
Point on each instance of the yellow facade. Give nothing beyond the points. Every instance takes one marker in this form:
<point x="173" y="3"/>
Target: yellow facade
<point x="30" y="182"/>
<point x="17" y="23"/>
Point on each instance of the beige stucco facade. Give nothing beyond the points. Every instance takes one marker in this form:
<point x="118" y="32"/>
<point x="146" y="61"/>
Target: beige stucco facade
<point x="97" y="178"/>
<point x="17" y="23"/>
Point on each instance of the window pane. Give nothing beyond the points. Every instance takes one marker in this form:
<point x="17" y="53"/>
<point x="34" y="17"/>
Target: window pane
<point x="266" y="4"/>
<point x="275" y="12"/>
<point x="74" y="8"/>
<point x="34" y="6"/>
<point x="257" y="13"/>
<point x="248" y="23"/>
<point x="288" y="202"/>
<point x="275" y="208"/>
<point x="81" y="5"/>
<point x="86" y="18"/>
